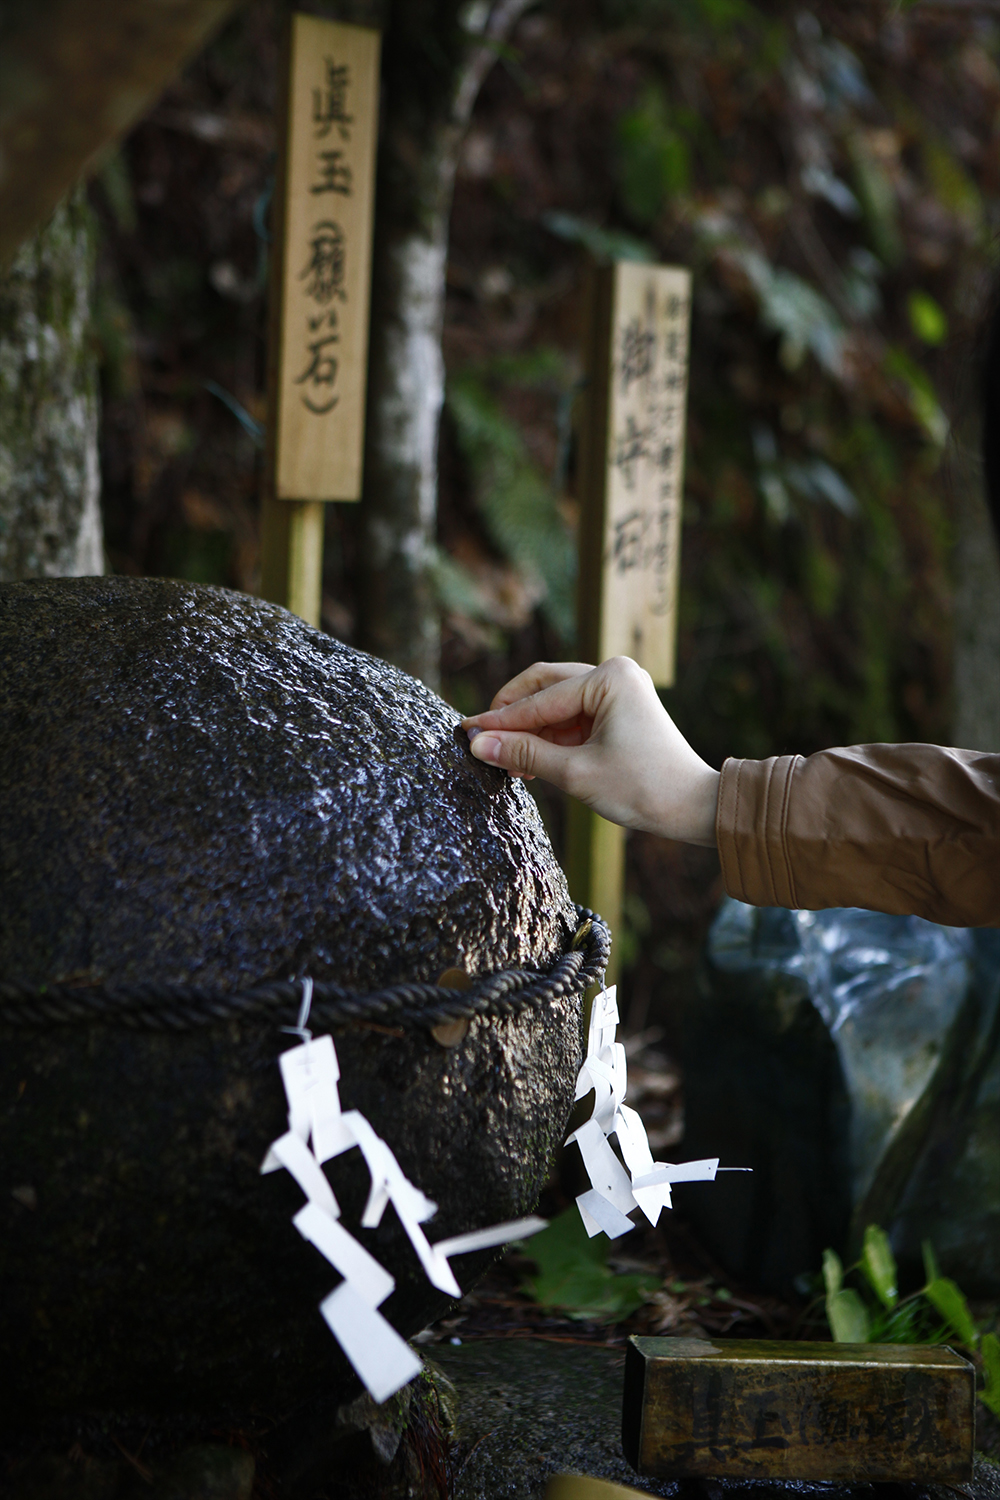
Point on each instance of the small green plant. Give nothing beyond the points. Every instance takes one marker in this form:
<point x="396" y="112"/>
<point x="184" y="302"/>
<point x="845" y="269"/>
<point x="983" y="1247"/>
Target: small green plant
<point x="573" y="1274"/>
<point x="935" y="1314"/>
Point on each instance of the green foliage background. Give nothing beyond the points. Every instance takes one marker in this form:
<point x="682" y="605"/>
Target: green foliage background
<point x="831" y="176"/>
<point x="828" y="176"/>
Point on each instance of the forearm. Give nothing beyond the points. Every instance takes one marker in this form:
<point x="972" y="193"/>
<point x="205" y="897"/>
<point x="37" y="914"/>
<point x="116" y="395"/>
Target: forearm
<point x="906" y="829"/>
<point x="911" y="829"/>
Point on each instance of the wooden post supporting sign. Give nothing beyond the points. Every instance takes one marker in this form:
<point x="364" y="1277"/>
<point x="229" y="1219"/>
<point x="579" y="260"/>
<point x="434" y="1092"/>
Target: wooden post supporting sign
<point x="631" y="466"/>
<point x="320" y="283"/>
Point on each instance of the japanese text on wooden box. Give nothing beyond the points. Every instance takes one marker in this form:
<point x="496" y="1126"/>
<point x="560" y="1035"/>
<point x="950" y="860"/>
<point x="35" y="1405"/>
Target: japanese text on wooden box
<point x="644" y="465"/>
<point x="326" y="250"/>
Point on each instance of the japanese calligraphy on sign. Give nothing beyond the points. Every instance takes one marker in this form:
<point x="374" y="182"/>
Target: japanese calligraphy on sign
<point x="633" y="491"/>
<point x="325" y="256"/>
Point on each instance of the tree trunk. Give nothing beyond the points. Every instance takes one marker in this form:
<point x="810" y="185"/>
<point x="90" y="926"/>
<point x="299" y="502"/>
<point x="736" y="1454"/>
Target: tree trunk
<point x="76" y="75"/>
<point x="50" y="517"/>
<point x="432" y="70"/>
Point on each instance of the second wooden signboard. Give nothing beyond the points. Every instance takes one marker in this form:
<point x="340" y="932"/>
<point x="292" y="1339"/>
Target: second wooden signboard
<point x="631" y="468"/>
<point x="632" y="464"/>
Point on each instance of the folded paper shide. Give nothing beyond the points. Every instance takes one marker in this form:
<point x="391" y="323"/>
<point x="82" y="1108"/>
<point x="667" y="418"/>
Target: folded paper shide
<point x="318" y="1130"/>
<point x="615" y="1192"/>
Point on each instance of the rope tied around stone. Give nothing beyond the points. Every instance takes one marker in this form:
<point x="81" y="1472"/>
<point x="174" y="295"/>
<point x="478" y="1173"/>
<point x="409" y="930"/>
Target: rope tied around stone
<point x="168" y="1006"/>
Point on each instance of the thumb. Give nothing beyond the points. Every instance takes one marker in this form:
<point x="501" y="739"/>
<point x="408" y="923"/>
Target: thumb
<point x="523" y="754"/>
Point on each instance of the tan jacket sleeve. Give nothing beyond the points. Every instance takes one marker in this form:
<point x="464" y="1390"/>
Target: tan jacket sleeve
<point x="907" y="829"/>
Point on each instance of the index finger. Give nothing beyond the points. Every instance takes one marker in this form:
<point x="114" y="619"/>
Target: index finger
<point x="534" y="678"/>
<point x="561" y="703"/>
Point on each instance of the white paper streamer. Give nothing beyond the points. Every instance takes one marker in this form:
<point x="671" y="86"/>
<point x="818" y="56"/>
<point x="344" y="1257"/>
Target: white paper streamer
<point x="604" y="1169"/>
<point x="646" y="1184"/>
<point x="599" y="1215"/>
<point x="370" y="1280"/>
<point x="384" y="1361"/>
<point x="310" y="1074"/>
<point x="291" y="1152"/>
<point x="485" y="1239"/>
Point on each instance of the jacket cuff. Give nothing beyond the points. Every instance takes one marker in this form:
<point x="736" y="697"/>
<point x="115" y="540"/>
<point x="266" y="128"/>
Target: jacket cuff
<point x="750" y="827"/>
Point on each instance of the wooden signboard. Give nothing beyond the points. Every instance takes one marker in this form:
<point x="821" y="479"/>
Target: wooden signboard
<point x="320" y="285"/>
<point x="631" y="482"/>
<point x="632" y="464"/>
<point x="326" y="252"/>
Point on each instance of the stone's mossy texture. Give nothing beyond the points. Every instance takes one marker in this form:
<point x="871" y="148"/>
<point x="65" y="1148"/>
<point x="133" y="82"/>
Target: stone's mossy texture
<point x="849" y="1058"/>
<point x="526" y="1410"/>
<point x="197" y="785"/>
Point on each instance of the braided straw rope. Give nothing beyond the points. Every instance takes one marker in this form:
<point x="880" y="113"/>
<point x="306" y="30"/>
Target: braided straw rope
<point x="179" y="1007"/>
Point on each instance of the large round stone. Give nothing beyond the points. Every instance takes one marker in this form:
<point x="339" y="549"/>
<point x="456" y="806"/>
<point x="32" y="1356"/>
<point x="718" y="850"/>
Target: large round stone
<point x="196" y="786"/>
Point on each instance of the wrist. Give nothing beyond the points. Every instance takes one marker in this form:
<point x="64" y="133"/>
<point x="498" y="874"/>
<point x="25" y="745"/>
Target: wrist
<point x="703" y="807"/>
<point x="686" y="807"/>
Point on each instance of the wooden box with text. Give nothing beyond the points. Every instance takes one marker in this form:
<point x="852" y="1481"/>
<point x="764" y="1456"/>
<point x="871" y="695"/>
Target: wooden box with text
<point x="763" y="1409"/>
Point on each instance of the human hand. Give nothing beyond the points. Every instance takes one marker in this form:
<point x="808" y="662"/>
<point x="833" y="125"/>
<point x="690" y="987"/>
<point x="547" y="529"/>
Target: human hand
<point x="601" y="734"/>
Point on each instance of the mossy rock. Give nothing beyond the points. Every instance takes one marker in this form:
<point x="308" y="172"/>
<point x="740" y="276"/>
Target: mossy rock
<point x="196" y="786"/>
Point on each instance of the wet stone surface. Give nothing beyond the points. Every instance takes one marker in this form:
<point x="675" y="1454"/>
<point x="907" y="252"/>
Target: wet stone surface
<point x="527" y="1409"/>
<point x="195" y="785"/>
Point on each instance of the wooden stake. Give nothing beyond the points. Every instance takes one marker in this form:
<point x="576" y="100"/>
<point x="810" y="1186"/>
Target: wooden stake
<point x="583" y="1487"/>
<point x="305" y="559"/>
<point x="595" y="869"/>
<point x="320" y="280"/>
<point x="631" y="466"/>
